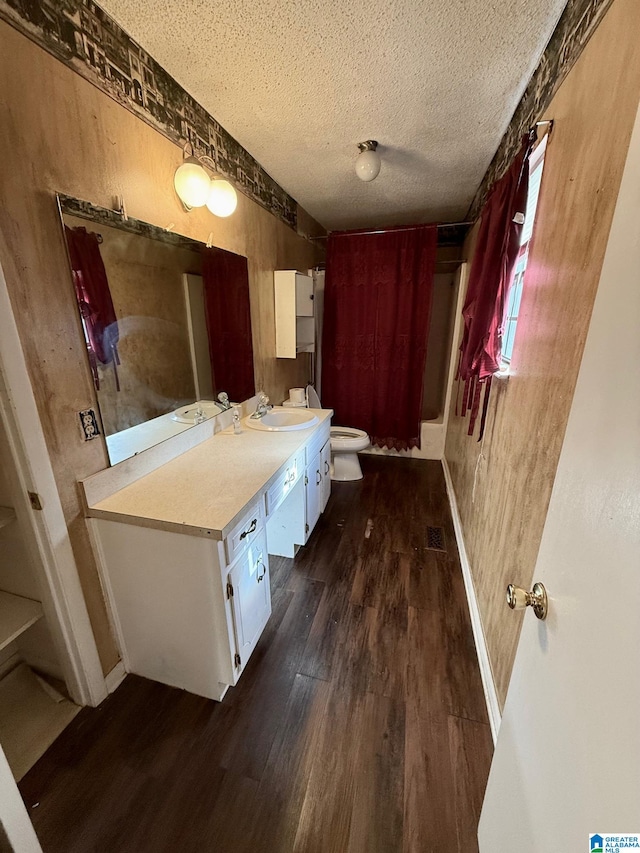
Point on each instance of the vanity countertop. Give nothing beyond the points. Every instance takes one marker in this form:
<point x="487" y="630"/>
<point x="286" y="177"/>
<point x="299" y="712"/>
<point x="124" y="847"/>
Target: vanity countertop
<point x="205" y="490"/>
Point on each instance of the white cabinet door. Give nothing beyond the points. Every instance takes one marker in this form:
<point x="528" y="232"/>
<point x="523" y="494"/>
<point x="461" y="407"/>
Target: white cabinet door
<point x="325" y="468"/>
<point x="250" y="596"/>
<point x="313" y="494"/>
<point x="304" y="295"/>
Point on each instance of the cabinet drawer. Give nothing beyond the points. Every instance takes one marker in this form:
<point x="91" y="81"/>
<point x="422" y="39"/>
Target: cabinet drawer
<point x="285" y="482"/>
<point x="245" y="530"/>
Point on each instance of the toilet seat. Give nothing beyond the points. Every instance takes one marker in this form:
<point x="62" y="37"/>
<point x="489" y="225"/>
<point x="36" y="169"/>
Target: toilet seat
<point x="348" y="439"/>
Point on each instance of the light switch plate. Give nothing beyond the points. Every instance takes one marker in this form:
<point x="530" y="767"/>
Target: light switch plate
<point x="89" y="423"/>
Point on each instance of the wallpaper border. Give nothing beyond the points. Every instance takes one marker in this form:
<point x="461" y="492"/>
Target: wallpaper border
<point x="86" y="39"/>
<point x="577" y="24"/>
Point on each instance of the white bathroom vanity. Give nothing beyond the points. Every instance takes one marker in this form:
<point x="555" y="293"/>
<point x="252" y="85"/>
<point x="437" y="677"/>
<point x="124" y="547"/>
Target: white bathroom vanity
<point x="183" y="550"/>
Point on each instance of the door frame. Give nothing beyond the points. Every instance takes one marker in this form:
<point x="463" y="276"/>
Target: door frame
<point x="50" y="545"/>
<point x="14" y="816"/>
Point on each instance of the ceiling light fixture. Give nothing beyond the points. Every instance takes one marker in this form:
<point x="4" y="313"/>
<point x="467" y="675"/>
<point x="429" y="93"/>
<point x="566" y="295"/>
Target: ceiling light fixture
<point x="196" y="188"/>
<point x="368" y="161"/>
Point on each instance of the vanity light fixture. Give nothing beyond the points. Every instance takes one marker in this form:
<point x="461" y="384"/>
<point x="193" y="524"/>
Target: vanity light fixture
<point x="196" y="188"/>
<point x="368" y="161"/>
<point x="223" y="199"/>
<point x="192" y="183"/>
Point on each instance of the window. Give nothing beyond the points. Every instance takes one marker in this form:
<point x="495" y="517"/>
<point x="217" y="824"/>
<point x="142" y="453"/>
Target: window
<point x="536" y="163"/>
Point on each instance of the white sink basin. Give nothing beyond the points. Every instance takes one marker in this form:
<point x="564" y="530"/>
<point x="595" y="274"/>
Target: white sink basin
<point x="187" y="414"/>
<point x="282" y="420"/>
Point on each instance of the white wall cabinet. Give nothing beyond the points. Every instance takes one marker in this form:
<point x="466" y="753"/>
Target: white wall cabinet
<point x="294" y="313"/>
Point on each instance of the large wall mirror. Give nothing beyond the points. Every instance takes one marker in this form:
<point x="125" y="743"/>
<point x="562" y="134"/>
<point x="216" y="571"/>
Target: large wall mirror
<point x="166" y="322"/>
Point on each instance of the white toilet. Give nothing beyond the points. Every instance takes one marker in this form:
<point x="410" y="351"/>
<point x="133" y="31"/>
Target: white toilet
<point x="345" y="443"/>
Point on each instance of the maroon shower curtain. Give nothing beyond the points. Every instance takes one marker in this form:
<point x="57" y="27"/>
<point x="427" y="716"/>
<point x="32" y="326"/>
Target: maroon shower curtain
<point x="490" y="280"/>
<point x="94" y="298"/>
<point x="378" y="292"/>
<point x="228" y="315"/>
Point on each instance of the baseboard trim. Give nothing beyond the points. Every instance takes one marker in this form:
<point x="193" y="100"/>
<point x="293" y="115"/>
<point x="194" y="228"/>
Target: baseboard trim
<point x="115" y="678"/>
<point x="10" y="663"/>
<point x="488" y="684"/>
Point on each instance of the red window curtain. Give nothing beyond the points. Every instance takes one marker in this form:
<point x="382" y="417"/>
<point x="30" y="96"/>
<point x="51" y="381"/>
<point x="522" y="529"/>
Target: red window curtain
<point x="491" y="277"/>
<point x="94" y="298"/>
<point x="378" y="292"/>
<point x="228" y="315"/>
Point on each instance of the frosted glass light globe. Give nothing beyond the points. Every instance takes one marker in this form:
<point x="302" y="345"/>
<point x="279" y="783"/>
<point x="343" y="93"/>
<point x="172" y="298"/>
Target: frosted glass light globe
<point x="192" y="183"/>
<point x="368" y="165"/>
<point x="223" y="199"/>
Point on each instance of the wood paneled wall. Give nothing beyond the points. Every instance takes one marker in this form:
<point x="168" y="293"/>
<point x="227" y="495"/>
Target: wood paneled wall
<point x="503" y="485"/>
<point x="58" y="132"/>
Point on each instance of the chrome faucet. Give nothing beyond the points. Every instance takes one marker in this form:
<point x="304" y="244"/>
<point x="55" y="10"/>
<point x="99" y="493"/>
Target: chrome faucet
<point x="263" y="407"/>
<point x="199" y="415"/>
<point x="223" y="400"/>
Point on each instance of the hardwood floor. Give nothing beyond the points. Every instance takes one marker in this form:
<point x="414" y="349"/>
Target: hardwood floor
<point x="359" y="725"/>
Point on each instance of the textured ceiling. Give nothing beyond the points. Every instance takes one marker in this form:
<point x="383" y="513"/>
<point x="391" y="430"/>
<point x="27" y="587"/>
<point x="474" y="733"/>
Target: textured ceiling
<point x="298" y="84"/>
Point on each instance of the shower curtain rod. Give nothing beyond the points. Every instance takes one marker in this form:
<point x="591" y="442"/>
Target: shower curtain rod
<point x="457" y="261"/>
<point x="549" y="122"/>
<point x="385" y="230"/>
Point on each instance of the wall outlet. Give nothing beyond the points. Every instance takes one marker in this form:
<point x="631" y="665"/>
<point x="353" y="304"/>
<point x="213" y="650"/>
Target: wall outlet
<point x="89" y="423"/>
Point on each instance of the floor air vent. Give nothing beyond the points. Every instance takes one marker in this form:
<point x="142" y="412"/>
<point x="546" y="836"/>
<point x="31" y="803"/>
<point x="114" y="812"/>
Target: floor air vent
<point x="435" y="539"/>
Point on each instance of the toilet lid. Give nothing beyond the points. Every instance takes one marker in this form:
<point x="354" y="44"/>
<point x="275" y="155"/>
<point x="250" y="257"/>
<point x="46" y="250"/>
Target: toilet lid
<point x="312" y="398"/>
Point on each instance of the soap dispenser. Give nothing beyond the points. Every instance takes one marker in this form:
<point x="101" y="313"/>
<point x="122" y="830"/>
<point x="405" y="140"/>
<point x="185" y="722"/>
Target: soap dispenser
<point x="237" y="429"/>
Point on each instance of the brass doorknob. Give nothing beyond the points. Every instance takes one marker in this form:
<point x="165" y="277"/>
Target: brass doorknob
<point x="518" y="599"/>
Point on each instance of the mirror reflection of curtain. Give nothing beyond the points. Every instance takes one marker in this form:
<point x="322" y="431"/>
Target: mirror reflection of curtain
<point x="94" y="299"/>
<point x="377" y="305"/>
<point x="228" y="314"/>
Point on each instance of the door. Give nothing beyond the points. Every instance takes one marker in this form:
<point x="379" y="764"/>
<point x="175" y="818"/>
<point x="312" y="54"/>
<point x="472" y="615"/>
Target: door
<point x="193" y="286"/>
<point x="48" y="536"/>
<point x="250" y="596"/>
<point x="304" y="295"/>
<point x="567" y="761"/>
<point x="325" y="468"/>
<point x="16" y="830"/>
